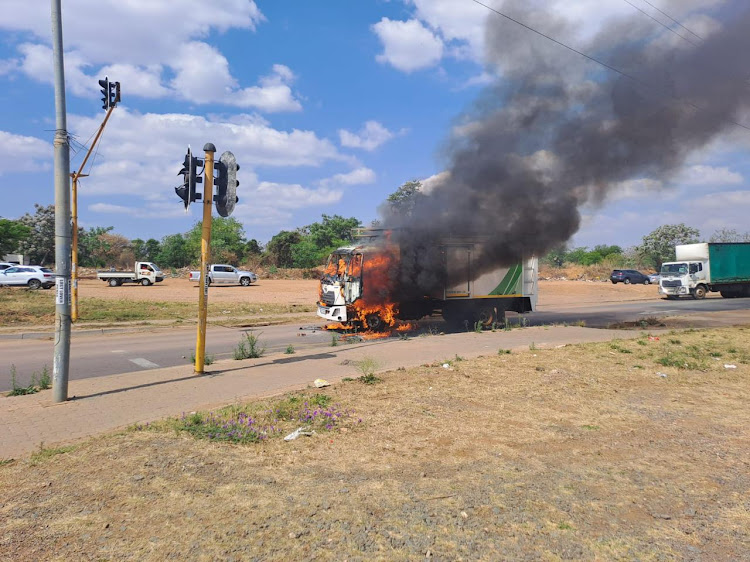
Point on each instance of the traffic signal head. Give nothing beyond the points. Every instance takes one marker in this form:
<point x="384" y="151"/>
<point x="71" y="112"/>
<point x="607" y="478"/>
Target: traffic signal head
<point x="187" y="191"/>
<point x="114" y="93"/>
<point x="106" y="97"/>
<point x="226" y="184"/>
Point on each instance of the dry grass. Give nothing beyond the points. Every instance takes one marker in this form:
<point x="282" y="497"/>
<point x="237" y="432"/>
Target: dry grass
<point x="583" y="452"/>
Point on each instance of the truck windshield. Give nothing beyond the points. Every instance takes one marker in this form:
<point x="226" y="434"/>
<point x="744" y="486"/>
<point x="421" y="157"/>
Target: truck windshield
<point x="341" y="266"/>
<point x="674" y="269"/>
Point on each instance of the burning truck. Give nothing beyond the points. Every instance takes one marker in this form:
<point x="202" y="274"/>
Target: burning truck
<point x="384" y="278"/>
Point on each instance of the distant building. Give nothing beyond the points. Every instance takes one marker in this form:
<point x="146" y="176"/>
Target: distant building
<point x="20" y="259"/>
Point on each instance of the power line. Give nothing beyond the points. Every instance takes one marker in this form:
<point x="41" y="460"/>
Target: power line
<point x="674" y="20"/>
<point x="665" y="26"/>
<point x="599" y="62"/>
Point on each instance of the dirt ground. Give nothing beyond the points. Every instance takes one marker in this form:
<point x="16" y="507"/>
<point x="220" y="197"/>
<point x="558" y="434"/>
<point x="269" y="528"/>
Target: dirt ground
<point x="617" y="451"/>
<point x="303" y="291"/>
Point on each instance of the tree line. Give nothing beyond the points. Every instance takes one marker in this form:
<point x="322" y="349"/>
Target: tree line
<point x="656" y="247"/>
<point x="307" y="247"/>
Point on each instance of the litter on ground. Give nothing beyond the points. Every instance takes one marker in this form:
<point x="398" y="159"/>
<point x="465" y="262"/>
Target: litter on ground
<point x="297" y="432"/>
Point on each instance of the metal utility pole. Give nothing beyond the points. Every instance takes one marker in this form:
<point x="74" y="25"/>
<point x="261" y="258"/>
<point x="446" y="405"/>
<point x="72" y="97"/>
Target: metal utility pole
<point x="208" y="189"/>
<point x="61" y="361"/>
<point x="74" y="255"/>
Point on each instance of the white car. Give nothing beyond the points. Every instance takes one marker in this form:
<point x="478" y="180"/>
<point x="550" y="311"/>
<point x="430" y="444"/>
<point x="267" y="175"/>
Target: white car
<point x="31" y="276"/>
<point x="222" y="274"/>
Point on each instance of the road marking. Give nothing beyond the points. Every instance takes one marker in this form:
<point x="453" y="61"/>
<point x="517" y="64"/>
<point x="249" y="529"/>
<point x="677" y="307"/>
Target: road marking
<point x="118" y="351"/>
<point x="145" y="363"/>
<point x="658" y="312"/>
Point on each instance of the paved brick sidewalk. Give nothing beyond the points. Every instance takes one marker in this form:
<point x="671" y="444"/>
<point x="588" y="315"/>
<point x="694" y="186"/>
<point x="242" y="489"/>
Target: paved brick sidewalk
<point x="103" y="404"/>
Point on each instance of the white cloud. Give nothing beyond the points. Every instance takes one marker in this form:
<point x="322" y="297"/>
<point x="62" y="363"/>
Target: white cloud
<point x="152" y="210"/>
<point x="155" y="56"/>
<point x="8" y="66"/>
<point x="355" y="177"/>
<point x="408" y="45"/>
<point x="456" y="21"/>
<point x="141" y="154"/>
<point x="369" y="137"/>
<point x="639" y="188"/>
<point x="113" y="209"/>
<point x="273" y="94"/>
<point x="144" y="82"/>
<point x="30" y="154"/>
<point x="135" y="33"/>
<point x="295" y="196"/>
<point x="700" y="175"/>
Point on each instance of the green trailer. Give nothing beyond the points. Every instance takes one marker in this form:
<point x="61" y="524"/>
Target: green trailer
<point x="728" y="263"/>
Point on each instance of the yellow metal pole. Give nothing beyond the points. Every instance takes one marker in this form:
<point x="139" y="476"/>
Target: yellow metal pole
<point x="74" y="213"/>
<point x="74" y="252"/>
<point x="208" y="189"/>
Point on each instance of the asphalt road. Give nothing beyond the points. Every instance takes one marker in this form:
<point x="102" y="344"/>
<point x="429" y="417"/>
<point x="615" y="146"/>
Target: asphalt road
<point x="100" y="355"/>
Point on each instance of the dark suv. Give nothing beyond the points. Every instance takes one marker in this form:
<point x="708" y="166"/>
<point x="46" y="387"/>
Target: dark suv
<point x="628" y="276"/>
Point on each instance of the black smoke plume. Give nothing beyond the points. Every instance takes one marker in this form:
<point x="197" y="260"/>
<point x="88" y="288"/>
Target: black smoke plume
<point x="557" y="131"/>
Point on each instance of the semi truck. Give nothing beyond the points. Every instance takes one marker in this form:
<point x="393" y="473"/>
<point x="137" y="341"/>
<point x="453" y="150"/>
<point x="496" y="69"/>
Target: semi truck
<point x="363" y="284"/>
<point x="707" y="267"/>
<point x="144" y="273"/>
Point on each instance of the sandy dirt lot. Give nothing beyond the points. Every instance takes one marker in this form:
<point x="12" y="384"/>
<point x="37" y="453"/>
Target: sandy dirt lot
<point x="628" y="450"/>
<point x="551" y="293"/>
<point x="277" y="291"/>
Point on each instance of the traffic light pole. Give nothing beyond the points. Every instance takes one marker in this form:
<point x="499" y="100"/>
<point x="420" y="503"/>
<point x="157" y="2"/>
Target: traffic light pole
<point x="74" y="209"/>
<point x="61" y="361"/>
<point x="208" y="188"/>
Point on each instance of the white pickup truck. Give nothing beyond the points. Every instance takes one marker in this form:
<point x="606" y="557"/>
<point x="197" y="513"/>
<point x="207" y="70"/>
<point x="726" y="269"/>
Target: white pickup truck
<point x="222" y="274"/>
<point x="145" y="273"/>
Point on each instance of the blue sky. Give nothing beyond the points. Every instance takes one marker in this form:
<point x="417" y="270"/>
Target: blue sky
<point x="328" y="107"/>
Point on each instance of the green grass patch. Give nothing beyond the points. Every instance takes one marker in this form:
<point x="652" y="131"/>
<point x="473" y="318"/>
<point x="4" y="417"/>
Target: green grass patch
<point x="45" y="453"/>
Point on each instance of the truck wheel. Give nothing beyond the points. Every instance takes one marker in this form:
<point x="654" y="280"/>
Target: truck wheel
<point x="699" y="292"/>
<point x="113" y="283"/>
<point x="486" y="316"/>
<point x="34" y="284"/>
<point x="145" y="282"/>
<point x="726" y="294"/>
<point x="627" y="281"/>
<point x="375" y="322"/>
<point x="614" y="282"/>
<point x="245" y="281"/>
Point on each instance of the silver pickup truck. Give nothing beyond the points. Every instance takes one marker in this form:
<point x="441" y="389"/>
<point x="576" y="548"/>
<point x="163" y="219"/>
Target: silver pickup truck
<point x="222" y="274"/>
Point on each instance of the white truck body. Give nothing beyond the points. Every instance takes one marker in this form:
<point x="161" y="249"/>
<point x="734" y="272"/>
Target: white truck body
<point x="223" y="274"/>
<point x="145" y="273"/>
